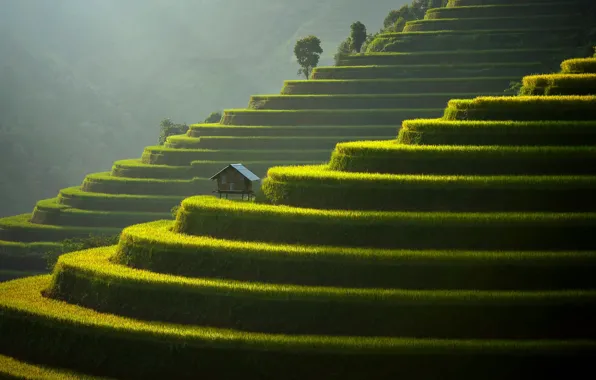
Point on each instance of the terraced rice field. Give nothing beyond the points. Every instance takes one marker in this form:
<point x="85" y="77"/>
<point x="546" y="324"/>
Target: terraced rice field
<point x="461" y="249"/>
<point x="440" y="254"/>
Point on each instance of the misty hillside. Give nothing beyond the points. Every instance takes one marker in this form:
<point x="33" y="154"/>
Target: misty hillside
<point x="85" y="83"/>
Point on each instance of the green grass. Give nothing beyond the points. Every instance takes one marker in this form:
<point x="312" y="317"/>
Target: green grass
<point x="265" y="142"/>
<point x="168" y="156"/>
<point x="51" y="212"/>
<point x="534" y="38"/>
<point x="135" y="168"/>
<point x="15" y="369"/>
<point x="579" y="66"/>
<point x="76" y="198"/>
<point x="200" y="130"/>
<point x="494" y="23"/>
<point x="404" y="86"/>
<point x="513" y="69"/>
<point x="323" y="117"/>
<point x="106" y="183"/>
<point x="319" y="187"/>
<point x="394" y="158"/>
<point x="154" y="247"/>
<point x="350" y="101"/>
<point x="31" y="322"/>
<point x="456" y="57"/>
<point x="19" y="228"/>
<point x="522" y="108"/>
<point x="517" y="133"/>
<point x="559" y="84"/>
<point x="89" y="279"/>
<point x="224" y="219"/>
<point x="503" y="10"/>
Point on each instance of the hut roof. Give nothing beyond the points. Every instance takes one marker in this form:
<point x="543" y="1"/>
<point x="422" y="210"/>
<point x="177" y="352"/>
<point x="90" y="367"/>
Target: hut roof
<point x="240" y="169"/>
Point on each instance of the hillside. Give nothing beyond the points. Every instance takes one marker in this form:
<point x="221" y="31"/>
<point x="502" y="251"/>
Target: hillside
<point x="365" y="98"/>
<point x="452" y="239"/>
<point x="460" y="250"/>
<point x="83" y="84"/>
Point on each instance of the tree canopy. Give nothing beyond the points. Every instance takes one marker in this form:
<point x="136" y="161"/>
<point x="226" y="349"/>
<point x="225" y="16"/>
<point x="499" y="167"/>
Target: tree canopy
<point x="358" y="35"/>
<point x="308" y="52"/>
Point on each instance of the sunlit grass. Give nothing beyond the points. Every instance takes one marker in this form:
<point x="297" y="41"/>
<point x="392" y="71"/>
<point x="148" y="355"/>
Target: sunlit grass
<point x="508" y="126"/>
<point x="22" y="299"/>
<point x="323" y="174"/>
<point x="393" y="157"/>
<point x="17" y="369"/>
<point x="579" y="66"/>
<point x="88" y="270"/>
<point x="155" y="241"/>
<point x="559" y="84"/>
<point x="497" y="132"/>
<point x="522" y="108"/>
<point x="204" y="205"/>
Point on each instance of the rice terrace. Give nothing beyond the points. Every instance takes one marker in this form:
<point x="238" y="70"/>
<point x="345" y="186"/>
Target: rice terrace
<point x="427" y="210"/>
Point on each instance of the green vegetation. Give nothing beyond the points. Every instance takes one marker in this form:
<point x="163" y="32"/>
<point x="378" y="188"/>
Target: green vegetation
<point x="152" y="343"/>
<point x="79" y="244"/>
<point x="462" y="248"/>
<point x="308" y="52"/>
<point x="394" y="86"/>
<point x="393" y="158"/>
<point x="14" y="369"/>
<point x="501" y="231"/>
<point x="439" y="71"/>
<point x="453" y="57"/>
<point x="357" y="36"/>
<point x="323" y="117"/>
<point x="319" y="187"/>
<point x="504" y="9"/>
<point x="213" y="117"/>
<point x="106" y="183"/>
<point x="169" y="128"/>
<point x="523" y="108"/>
<point x="19" y="228"/>
<point x="514" y="133"/>
<point x="491" y="23"/>
<point x="88" y="279"/>
<point x="154" y="247"/>
<point x="579" y="66"/>
<point x="559" y="84"/>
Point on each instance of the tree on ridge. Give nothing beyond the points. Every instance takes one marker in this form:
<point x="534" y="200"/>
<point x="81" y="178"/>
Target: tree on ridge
<point x="308" y="51"/>
<point x="358" y="35"/>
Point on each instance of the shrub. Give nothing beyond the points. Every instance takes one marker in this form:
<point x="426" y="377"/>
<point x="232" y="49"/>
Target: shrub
<point x="169" y="128"/>
<point x="344" y="48"/>
<point x="79" y="244"/>
<point x="213" y="117"/>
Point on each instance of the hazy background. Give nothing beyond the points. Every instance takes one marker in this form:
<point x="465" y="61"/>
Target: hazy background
<point x="86" y="82"/>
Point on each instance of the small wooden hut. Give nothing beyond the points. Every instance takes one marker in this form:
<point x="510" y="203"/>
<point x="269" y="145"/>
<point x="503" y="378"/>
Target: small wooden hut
<point x="235" y="179"/>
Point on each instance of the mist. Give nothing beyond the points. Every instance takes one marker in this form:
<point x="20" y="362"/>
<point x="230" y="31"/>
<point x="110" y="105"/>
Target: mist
<point x="85" y="83"/>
